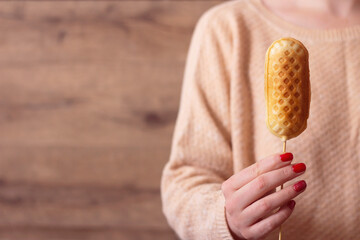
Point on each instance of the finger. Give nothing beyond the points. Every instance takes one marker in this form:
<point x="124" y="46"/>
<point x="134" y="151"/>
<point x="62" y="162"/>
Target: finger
<point x="256" y="189"/>
<point x="269" y="224"/>
<point x="267" y="164"/>
<point x="264" y="206"/>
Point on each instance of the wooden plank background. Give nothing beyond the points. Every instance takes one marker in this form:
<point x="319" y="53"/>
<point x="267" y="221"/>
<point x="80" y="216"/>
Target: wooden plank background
<point x="89" y="94"/>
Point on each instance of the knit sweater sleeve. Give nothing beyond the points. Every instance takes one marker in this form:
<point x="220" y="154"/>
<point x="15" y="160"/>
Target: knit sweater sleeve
<point x="201" y="154"/>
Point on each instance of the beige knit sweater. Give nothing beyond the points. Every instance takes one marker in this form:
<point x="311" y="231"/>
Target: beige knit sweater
<point x="221" y="125"/>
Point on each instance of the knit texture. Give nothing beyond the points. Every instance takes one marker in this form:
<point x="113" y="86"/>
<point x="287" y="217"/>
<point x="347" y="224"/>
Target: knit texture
<point x="221" y="125"/>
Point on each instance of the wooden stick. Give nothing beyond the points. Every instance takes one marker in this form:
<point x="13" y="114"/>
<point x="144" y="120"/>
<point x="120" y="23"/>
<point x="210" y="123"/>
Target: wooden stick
<point x="282" y="186"/>
<point x="284" y="146"/>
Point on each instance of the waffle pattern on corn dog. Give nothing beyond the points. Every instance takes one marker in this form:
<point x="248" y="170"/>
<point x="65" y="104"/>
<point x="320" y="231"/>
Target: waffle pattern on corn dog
<point x="287" y="88"/>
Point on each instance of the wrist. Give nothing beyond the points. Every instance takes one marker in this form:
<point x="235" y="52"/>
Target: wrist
<point x="233" y="234"/>
<point x="236" y="237"/>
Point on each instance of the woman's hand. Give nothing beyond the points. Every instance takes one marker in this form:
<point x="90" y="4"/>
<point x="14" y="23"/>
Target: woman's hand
<point x="250" y="207"/>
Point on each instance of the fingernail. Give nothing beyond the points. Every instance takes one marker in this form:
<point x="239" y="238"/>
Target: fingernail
<point x="291" y="204"/>
<point x="286" y="157"/>
<point x="298" y="168"/>
<point x="299" y="186"/>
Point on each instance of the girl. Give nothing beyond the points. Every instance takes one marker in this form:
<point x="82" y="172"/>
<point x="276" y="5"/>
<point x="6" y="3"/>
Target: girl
<point x="219" y="183"/>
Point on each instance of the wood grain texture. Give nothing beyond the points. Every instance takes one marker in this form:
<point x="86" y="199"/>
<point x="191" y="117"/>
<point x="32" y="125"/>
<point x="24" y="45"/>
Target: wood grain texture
<point x="89" y="96"/>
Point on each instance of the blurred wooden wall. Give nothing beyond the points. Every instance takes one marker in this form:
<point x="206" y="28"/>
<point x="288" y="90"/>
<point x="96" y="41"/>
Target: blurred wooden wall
<point x="89" y="94"/>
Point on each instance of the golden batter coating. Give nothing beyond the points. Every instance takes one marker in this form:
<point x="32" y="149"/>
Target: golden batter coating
<point x="287" y="88"/>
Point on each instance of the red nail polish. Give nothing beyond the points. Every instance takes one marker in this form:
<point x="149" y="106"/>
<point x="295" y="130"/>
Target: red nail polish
<point x="286" y="157"/>
<point x="291" y="204"/>
<point x="299" y="186"/>
<point x="298" y="168"/>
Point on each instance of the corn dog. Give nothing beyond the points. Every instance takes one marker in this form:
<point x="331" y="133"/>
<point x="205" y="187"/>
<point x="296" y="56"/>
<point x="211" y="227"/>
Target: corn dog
<point x="287" y="88"/>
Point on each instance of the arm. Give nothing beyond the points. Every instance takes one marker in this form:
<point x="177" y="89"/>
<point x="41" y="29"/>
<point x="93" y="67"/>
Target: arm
<point x="201" y="155"/>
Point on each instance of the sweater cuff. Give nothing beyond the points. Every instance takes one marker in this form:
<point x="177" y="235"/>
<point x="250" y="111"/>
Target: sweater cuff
<point x="223" y="231"/>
